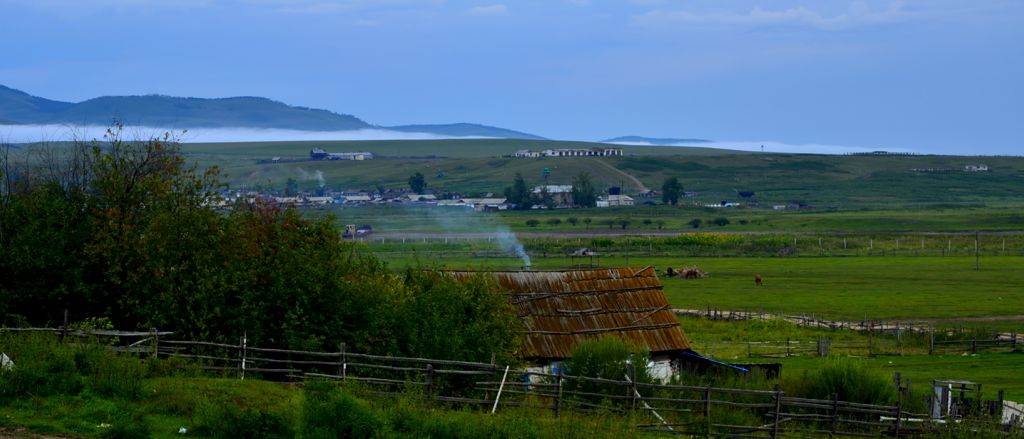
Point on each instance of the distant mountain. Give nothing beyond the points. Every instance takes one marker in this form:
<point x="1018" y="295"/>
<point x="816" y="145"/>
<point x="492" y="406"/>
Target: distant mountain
<point x="654" y="140"/>
<point x="465" y="130"/>
<point x="18" y="107"/>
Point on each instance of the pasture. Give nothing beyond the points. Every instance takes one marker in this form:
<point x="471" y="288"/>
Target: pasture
<point x="476" y="167"/>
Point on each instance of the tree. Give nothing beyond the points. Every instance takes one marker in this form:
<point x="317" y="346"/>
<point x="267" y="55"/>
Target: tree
<point x="671" y="190"/>
<point x="532" y="223"/>
<point x="554" y="221"/>
<point x="587" y="221"/>
<point x="417" y="183"/>
<point x="721" y="221"/>
<point x="519" y="195"/>
<point x="572" y="220"/>
<point x="583" y="192"/>
<point x="695" y="223"/>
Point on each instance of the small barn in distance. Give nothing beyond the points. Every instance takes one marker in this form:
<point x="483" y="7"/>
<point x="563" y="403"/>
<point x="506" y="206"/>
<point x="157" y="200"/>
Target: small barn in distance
<point x="561" y="309"/>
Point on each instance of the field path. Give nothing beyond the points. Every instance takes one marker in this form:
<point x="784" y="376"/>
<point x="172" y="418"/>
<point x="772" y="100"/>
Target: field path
<point x="631" y="178"/>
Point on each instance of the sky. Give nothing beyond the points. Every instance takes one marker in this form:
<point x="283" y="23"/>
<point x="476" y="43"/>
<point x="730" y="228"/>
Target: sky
<point x="935" y="76"/>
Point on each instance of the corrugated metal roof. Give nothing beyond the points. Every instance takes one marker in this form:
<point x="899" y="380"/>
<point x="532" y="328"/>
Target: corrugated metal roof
<point x="560" y="309"/>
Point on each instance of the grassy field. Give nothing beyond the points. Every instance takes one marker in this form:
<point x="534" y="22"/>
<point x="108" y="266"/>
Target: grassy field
<point x="475" y="166"/>
<point x="993" y="370"/>
<point x="945" y="291"/>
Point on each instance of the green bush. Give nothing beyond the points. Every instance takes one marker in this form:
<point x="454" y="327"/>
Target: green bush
<point x="849" y="378"/>
<point x="328" y="412"/>
<point x="229" y="421"/>
<point x="42" y="367"/>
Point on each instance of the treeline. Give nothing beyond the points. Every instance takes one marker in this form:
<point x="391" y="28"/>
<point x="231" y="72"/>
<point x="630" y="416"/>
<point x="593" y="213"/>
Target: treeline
<point x="127" y="232"/>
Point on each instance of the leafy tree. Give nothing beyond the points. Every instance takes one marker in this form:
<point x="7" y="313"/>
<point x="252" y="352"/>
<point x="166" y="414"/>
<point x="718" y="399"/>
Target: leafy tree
<point x="554" y="221"/>
<point x="532" y="223"/>
<point x="721" y="221"/>
<point x="584" y="194"/>
<point x="572" y="221"/>
<point x="695" y="223"/>
<point x="671" y="190"/>
<point x="545" y="198"/>
<point x="291" y="187"/>
<point x="647" y="222"/>
<point x="587" y="221"/>
<point x="519" y="195"/>
<point x="417" y="183"/>
<point x="623" y="222"/>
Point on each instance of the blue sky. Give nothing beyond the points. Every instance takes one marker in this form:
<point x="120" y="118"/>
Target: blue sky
<point x="925" y="75"/>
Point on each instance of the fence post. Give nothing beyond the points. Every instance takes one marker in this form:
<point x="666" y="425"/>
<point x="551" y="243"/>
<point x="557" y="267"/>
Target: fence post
<point x="64" y="329"/>
<point x="241" y="357"/>
<point x="1013" y="340"/>
<point x="787" y="348"/>
<point x="631" y="388"/>
<point x="342" y="365"/>
<point x="430" y="381"/>
<point x="707" y="410"/>
<point x="558" y="397"/>
<point x="778" y="411"/>
<point x="835" y="413"/>
<point x="156" y="342"/>
<point x="974" y="344"/>
<point x="899" y="410"/>
<point x="931" y="341"/>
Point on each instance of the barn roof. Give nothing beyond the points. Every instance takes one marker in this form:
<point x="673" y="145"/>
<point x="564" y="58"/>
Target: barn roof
<point x="560" y="309"/>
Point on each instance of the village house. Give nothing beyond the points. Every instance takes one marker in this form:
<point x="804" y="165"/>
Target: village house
<point x="561" y="194"/>
<point x="320" y="154"/>
<point x="616" y="200"/>
<point x="561" y="309"/>
<point x="570" y="152"/>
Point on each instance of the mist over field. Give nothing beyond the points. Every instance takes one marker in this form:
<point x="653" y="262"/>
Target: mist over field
<point x="57" y="133"/>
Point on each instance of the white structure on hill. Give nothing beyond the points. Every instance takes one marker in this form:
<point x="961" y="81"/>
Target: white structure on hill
<point x="570" y="152"/>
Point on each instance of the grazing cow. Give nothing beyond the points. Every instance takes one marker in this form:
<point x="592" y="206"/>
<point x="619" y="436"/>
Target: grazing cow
<point x="670" y="272"/>
<point x="758" y="281"/>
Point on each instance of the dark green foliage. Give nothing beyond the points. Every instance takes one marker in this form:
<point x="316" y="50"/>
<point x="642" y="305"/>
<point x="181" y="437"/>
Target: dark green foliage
<point x="41" y="367"/>
<point x="572" y="220"/>
<point x="695" y="223"/>
<point x="554" y="221"/>
<point x="230" y="421"/>
<point x="125" y="231"/>
<point x="328" y="413"/>
<point x="532" y="222"/>
<point x="671" y="190"/>
<point x="720" y="221"/>
<point x="851" y="380"/>
<point x="519" y="195"/>
<point x="608" y="357"/>
<point x="584" y="194"/>
<point x="417" y="183"/>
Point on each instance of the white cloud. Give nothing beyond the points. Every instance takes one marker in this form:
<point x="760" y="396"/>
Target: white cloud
<point x="488" y="11"/>
<point x="856" y="15"/>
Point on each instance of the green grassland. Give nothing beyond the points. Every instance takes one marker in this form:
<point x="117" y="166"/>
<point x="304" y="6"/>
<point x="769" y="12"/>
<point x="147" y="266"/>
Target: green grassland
<point x="669" y="219"/>
<point x="993" y="370"/>
<point x="945" y="291"/>
<point x="476" y="166"/>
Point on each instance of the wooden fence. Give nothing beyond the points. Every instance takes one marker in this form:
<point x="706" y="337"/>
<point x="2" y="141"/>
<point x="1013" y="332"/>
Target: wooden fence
<point x="661" y="408"/>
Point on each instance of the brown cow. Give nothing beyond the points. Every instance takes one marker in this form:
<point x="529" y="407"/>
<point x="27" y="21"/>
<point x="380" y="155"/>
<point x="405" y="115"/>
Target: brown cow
<point x="758" y="281"/>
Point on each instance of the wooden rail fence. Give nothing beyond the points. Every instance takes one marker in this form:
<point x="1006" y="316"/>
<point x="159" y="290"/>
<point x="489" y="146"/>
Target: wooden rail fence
<point x="668" y="409"/>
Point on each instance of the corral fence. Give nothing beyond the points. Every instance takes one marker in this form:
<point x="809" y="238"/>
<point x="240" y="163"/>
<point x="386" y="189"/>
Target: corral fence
<point x="638" y="242"/>
<point x="883" y="337"/>
<point x="701" y="411"/>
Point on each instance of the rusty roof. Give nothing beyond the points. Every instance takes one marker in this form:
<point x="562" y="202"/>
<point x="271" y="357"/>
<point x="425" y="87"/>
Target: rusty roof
<point x="560" y="309"/>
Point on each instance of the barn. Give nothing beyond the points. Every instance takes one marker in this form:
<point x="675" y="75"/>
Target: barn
<point x="560" y="309"/>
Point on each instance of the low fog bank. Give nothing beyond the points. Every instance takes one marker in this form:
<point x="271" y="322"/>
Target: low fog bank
<point x="807" y="148"/>
<point x="58" y="133"/>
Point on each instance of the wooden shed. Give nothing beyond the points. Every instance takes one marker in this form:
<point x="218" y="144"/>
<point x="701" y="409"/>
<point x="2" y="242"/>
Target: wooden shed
<point x="560" y="309"/>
